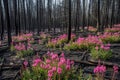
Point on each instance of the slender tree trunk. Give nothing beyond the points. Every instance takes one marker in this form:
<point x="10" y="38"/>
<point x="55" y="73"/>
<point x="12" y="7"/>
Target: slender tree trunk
<point x="8" y="21"/>
<point x="83" y="16"/>
<point x="16" y="25"/>
<point x="98" y="17"/>
<point x="88" y="24"/>
<point x="69" y="28"/>
<point x="112" y="14"/>
<point x="24" y="15"/>
<point x="38" y="27"/>
<point x="2" y="21"/>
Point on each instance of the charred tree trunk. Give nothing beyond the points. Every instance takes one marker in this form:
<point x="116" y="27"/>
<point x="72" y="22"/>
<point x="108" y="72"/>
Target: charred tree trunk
<point x="69" y="28"/>
<point x="83" y="16"/>
<point x="2" y="21"/>
<point x="98" y="17"/>
<point x="8" y="21"/>
<point x="16" y="25"/>
<point x="112" y="14"/>
<point x="38" y="27"/>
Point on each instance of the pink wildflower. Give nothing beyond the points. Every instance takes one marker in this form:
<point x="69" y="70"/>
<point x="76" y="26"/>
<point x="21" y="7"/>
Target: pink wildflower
<point x="34" y="65"/>
<point x="115" y="68"/>
<point x="54" y="68"/>
<point x="50" y="73"/>
<point x="100" y="69"/>
<point x="68" y="67"/>
<point x="62" y="55"/>
<point x="59" y="70"/>
<point x="37" y="61"/>
<point x="48" y="60"/>
<point x="96" y="48"/>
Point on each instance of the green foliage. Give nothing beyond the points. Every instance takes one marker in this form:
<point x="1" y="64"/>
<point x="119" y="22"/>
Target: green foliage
<point x="24" y="53"/>
<point x="12" y="48"/>
<point x="100" y="54"/>
<point x="111" y="39"/>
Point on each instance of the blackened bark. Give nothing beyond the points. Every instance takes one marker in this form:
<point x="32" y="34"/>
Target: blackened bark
<point x="83" y="16"/>
<point x="98" y="17"/>
<point x="69" y="28"/>
<point x="8" y="21"/>
<point x="112" y="14"/>
<point x="2" y="22"/>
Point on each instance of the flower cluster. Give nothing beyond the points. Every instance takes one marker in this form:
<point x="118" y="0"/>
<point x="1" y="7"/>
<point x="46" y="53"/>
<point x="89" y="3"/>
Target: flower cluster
<point x="110" y="37"/>
<point x="52" y="67"/>
<point x="104" y="47"/>
<point x="83" y="43"/>
<point x="102" y="52"/>
<point x="57" y="42"/>
<point x="114" y="29"/>
<point x="101" y="69"/>
<point x="21" y="49"/>
<point x="22" y="37"/>
<point x="115" y="68"/>
<point x="44" y="35"/>
<point x="92" y="29"/>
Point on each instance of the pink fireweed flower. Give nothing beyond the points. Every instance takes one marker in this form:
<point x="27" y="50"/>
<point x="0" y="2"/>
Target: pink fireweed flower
<point x="62" y="60"/>
<point x="103" y="68"/>
<point x="59" y="70"/>
<point x="42" y="66"/>
<point x="68" y="61"/>
<point x="34" y="64"/>
<point x="72" y="62"/>
<point x="47" y="66"/>
<point x="102" y="46"/>
<point x="20" y="47"/>
<point x="48" y="60"/>
<point x="96" y="48"/>
<point x="54" y="56"/>
<point x="25" y="63"/>
<point x="108" y="45"/>
<point x="68" y="67"/>
<point x="96" y="69"/>
<point x="106" y="48"/>
<point x="54" y="68"/>
<point x="59" y="64"/>
<point x="62" y="55"/>
<point x="115" y="68"/>
<point x="48" y="53"/>
<point x="50" y="73"/>
<point x="100" y="69"/>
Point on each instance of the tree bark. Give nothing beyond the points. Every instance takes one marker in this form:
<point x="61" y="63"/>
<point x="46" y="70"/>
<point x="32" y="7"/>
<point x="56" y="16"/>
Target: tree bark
<point x="8" y="22"/>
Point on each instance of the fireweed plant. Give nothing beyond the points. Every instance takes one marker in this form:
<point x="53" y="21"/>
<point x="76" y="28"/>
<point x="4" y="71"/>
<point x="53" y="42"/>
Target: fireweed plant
<point x="100" y="71"/>
<point x="21" y="50"/>
<point x="101" y="52"/>
<point x="52" y="67"/>
<point x="22" y="37"/>
<point x="83" y="43"/>
<point x="110" y="37"/>
<point x="44" y="37"/>
<point x="57" y="42"/>
<point x="92" y="29"/>
<point x="114" y="29"/>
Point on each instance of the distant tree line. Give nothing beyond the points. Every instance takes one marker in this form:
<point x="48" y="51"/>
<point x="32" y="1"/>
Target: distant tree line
<point x="38" y="15"/>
